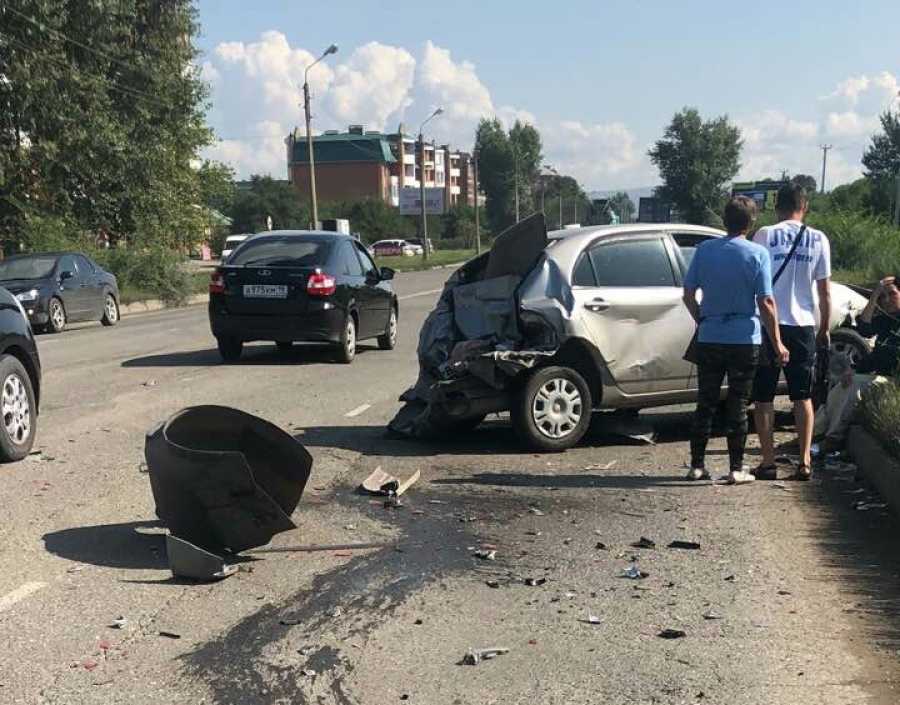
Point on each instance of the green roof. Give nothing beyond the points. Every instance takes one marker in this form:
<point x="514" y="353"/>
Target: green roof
<point x="344" y="148"/>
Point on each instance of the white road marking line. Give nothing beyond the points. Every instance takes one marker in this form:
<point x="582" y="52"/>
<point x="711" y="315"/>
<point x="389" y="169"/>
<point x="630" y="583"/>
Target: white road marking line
<point x="358" y="410"/>
<point x="419" y="293"/>
<point x="20" y="593"/>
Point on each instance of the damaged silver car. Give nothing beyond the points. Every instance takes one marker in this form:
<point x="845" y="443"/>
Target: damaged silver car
<point x="551" y="327"/>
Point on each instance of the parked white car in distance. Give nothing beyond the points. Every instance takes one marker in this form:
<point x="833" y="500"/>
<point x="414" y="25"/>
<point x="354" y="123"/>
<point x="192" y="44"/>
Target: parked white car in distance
<point x="231" y="242"/>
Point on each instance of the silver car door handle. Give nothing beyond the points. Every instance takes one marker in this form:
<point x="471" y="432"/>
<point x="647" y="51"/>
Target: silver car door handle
<point x="597" y="305"/>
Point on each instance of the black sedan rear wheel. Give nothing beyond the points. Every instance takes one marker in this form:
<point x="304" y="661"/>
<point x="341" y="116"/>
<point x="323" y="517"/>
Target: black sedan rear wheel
<point x="18" y="410"/>
<point x="388" y="341"/>
<point x="347" y="346"/>
<point x="230" y="349"/>
<point x="110" y="311"/>
<point x="56" y="322"/>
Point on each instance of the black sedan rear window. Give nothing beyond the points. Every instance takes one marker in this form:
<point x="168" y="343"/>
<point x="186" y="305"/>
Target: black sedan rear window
<point x="27" y="268"/>
<point x="289" y="251"/>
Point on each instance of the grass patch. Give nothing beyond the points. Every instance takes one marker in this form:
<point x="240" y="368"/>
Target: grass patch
<point x="435" y="259"/>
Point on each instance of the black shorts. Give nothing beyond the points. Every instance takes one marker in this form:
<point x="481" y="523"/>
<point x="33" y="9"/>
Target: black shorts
<point x="799" y="372"/>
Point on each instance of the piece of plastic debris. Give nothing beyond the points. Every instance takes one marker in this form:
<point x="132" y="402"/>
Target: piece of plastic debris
<point x="308" y="672"/>
<point x="779" y="486"/>
<point x="306" y="650"/>
<point x="711" y="615"/>
<point x="644" y="542"/>
<point x="118" y="623"/>
<point x="534" y="533"/>
<point x="535" y="582"/>
<point x="350" y="527"/>
<point x="784" y="592"/>
<point x="486" y="555"/>
<point x="686" y="545"/>
<point x="601" y="546"/>
<point x="418" y="622"/>
<point x="336" y="612"/>
<point x="89" y="664"/>
<point x="535" y="511"/>
<point x="634" y="573"/>
<point x="104" y="645"/>
<point x="672" y="634"/>
<point x="189" y="561"/>
<point x="569" y="595"/>
<point x="492" y="583"/>
<point x="76" y="568"/>
<point x="170" y="635"/>
<point x="151" y="383"/>
<point x="591" y="619"/>
<point x="475" y="656"/>
<point x="730" y="578"/>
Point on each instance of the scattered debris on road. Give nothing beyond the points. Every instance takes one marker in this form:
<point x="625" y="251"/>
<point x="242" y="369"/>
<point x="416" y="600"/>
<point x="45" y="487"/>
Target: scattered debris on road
<point x="672" y="634"/>
<point x="316" y="547"/>
<point x="150" y="383"/>
<point x="492" y="583"/>
<point x="591" y="619"/>
<point x="686" y="545"/>
<point x="170" y="635"/>
<point x="644" y="542"/>
<point x="601" y="546"/>
<point x="535" y="511"/>
<point x="475" y="656"/>
<point x="535" y="582"/>
<point x="381" y="484"/>
<point x="634" y="573"/>
<point x="189" y="561"/>
<point x="118" y="623"/>
<point x="486" y="555"/>
<point x="711" y="615"/>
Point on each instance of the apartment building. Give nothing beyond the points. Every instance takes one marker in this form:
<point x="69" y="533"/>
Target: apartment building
<point x="364" y="163"/>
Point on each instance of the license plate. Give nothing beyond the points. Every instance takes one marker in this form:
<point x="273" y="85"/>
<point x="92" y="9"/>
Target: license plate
<point x="265" y="291"/>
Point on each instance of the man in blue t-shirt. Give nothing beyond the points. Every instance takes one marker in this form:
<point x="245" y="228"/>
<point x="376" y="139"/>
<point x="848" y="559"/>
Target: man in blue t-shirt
<point x="735" y="277"/>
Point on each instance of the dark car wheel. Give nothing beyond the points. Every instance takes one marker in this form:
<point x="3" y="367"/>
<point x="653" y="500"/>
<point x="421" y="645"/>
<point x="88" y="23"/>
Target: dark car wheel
<point x="847" y="342"/>
<point x="110" y="311"/>
<point x="230" y="349"/>
<point x="553" y="409"/>
<point x="388" y="341"/>
<point x="347" y="346"/>
<point x="18" y="408"/>
<point x="56" y="320"/>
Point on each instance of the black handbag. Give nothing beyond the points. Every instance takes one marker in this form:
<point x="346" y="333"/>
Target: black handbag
<point x="767" y="354"/>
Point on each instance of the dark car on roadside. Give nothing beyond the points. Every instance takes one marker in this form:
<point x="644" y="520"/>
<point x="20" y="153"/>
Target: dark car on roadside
<point x="291" y="286"/>
<point x="58" y="288"/>
<point x="20" y="380"/>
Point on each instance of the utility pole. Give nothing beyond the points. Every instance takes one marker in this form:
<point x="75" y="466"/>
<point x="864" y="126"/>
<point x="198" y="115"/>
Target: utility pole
<point x="477" y="228"/>
<point x="516" y="162"/>
<point x="422" y="184"/>
<point x="897" y="203"/>
<point x="314" y="210"/>
<point x="825" y="148"/>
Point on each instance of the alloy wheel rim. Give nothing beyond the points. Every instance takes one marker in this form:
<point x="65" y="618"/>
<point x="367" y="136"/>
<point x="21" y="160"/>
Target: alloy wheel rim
<point x="393" y="328"/>
<point x="557" y="408"/>
<point x="351" y="338"/>
<point x="16" y="409"/>
<point x="57" y="314"/>
<point x="112" y="311"/>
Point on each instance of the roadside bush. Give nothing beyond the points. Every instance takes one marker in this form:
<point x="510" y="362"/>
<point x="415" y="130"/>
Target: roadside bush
<point x="155" y="271"/>
<point x="880" y="411"/>
<point x="867" y="244"/>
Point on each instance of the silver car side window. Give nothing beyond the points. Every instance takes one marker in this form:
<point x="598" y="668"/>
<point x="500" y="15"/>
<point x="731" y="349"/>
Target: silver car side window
<point x="632" y="263"/>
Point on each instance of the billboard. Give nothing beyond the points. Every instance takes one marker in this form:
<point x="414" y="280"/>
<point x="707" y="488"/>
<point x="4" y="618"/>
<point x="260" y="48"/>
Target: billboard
<point x="411" y="203"/>
<point x="654" y="210"/>
<point x="763" y="192"/>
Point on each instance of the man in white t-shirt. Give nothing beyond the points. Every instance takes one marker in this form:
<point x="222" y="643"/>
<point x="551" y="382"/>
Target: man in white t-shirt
<point x="802" y="289"/>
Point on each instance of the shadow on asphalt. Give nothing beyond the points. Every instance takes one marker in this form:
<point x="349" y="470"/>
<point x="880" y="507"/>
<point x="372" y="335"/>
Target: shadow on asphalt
<point x="111" y="545"/>
<point x="862" y="551"/>
<point x="253" y="355"/>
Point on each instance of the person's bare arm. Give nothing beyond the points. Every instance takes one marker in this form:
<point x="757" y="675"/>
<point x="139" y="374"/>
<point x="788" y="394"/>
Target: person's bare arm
<point x="869" y="311"/>
<point x="690" y="300"/>
<point x="824" y="288"/>
<point x="769" y="316"/>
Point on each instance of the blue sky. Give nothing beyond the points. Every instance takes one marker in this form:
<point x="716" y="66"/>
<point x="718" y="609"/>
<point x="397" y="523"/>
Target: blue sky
<point x="599" y="79"/>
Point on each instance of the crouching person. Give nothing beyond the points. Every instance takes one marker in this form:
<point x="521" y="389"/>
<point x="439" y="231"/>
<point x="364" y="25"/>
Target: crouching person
<point x="735" y="277"/>
<point x="881" y="319"/>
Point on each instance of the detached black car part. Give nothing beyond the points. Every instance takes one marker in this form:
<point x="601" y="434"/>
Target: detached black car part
<point x="225" y="480"/>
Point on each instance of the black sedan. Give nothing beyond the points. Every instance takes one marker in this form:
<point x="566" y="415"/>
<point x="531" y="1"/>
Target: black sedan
<point x="298" y="285"/>
<point x="61" y="287"/>
<point x="20" y="380"/>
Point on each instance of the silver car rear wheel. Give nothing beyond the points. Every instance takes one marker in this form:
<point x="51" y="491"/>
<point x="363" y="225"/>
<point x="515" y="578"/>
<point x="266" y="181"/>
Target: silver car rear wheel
<point x="557" y="408"/>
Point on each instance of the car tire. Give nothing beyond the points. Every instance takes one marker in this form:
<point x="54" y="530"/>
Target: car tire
<point x="56" y="316"/>
<point x="552" y="410"/>
<point x="230" y="349"/>
<point x="110" y="310"/>
<point x="846" y="341"/>
<point x="284" y="346"/>
<point x="347" y="347"/>
<point x="17" y="409"/>
<point x="388" y="341"/>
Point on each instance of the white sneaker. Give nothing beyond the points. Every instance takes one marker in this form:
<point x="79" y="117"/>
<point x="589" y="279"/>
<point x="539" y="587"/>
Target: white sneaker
<point x="740" y="477"/>
<point x="698" y="474"/>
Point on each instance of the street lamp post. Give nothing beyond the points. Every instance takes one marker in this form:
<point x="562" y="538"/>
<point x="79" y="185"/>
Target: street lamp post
<point x="309" y="140"/>
<point x="424" y="227"/>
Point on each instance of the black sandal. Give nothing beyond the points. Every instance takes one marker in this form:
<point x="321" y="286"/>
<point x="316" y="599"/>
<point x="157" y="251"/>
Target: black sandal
<point x="765" y="472"/>
<point x="804" y="472"/>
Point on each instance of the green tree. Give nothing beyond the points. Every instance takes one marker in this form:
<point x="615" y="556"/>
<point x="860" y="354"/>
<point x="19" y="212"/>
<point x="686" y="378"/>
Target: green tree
<point x="266" y="198"/>
<point x="696" y="161"/>
<point x="525" y="142"/>
<point x="101" y="115"/>
<point x="621" y="203"/>
<point x="882" y="162"/>
<point x="372" y="218"/>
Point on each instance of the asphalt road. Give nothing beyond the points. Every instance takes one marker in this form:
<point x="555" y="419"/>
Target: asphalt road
<point x="793" y="597"/>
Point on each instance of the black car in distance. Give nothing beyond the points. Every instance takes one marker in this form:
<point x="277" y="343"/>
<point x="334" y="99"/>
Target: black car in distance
<point x="305" y="286"/>
<point x="58" y="288"/>
<point x="20" y="380"/>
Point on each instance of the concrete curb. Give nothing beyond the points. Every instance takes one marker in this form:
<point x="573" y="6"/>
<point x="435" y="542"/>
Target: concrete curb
<point x="876" y="465"/>
<point x="157" y="305"/>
